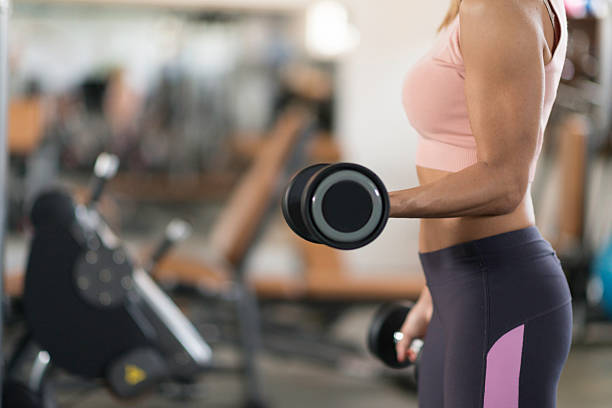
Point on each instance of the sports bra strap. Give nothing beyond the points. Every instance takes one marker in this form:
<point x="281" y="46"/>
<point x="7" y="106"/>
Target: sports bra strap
<point x="553" y="19"/>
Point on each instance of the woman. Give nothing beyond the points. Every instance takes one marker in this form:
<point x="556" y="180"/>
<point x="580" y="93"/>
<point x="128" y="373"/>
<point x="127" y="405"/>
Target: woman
<point x="496" y="312"/>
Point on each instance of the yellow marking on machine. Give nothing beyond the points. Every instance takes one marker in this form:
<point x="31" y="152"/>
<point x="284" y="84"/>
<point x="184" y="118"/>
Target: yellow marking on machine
<point x="134" y="374"/>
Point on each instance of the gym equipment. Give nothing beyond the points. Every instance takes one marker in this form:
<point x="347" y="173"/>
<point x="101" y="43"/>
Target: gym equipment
<point x="17" y="394"/>
<point x="342" y="205"/>
<point x="602" y="274"/>
<point x="27" y="382"/>
<point x="384" y="333"/>
<point x="97" y="314"/>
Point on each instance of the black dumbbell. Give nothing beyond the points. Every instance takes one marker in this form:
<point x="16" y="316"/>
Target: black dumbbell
<point x="384" y="334"/>
<point x="342" y="205"/>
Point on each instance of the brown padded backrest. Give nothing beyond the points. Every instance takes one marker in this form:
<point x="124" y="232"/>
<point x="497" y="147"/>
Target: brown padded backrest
<point x="25" y="125"/>
<point x="572" y="153"/>
<point x="237" y="225"/>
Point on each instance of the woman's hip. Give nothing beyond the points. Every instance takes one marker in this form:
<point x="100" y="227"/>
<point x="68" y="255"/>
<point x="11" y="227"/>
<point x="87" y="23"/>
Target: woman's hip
<point x="504" y="279"/>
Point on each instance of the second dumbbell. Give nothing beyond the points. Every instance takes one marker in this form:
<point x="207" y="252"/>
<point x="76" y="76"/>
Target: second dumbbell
<point x="385" y="332"/>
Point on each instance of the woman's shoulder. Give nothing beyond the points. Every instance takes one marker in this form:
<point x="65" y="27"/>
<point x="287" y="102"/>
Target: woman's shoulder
<point x="507" y="12"/>
<point x="505" y="33"/>
<point x="500" y="20"/>
<point x="496" y="10"/>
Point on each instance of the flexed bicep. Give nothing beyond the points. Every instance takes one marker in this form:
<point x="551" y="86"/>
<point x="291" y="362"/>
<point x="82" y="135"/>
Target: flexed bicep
<point x="504" y="86"/>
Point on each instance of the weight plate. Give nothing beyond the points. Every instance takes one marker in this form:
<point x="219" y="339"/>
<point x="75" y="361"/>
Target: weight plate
<point x="330" y="232"/>
<point x="387" y="320"/>
<point x="351" y="197"/>
<point x="61" y="321"/>
<point x="292" y="200"/>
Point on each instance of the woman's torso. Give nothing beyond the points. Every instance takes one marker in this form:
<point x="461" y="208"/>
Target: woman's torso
<point x="458" y="147"/>
<point x="437" y="233"/>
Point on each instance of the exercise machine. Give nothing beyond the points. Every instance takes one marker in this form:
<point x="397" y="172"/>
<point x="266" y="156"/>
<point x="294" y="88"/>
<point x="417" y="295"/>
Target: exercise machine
<point x="92" y="311"/>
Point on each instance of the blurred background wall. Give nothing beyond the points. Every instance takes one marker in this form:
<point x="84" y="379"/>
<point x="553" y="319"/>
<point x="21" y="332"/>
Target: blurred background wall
<point x="231" y="62"/>
<point x="187" y="76"/>
<point x="372" y="128"/>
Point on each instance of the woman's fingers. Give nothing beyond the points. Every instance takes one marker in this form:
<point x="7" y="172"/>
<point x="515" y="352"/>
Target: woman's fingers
<point x="399" y="350"/>
<point x="402" y="348"/>
<point x="413" y="328"/>
<point x="404" y="352"/>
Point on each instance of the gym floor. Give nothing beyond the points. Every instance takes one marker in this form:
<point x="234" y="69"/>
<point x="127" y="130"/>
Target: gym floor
<point x="295" y="383"/>
<point x="586" y="383"/>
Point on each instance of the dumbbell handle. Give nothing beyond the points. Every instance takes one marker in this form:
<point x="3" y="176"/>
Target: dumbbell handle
<point x="416" y="345"/>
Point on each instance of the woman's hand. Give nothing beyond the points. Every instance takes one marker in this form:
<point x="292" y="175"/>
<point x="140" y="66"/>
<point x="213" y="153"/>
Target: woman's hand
<point x="415" y="326"/>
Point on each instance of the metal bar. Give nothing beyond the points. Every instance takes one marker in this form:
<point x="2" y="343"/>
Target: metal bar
<point x="5" y="6"/>
<point x="605" y="49"/>
<point x="249" y="328"/>
<point x="40" y="368"/>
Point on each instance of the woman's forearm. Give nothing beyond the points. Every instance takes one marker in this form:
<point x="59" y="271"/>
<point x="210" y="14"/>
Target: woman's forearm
<point x="425" y="303"/>
<point x="425" y="296"/>
<point x="478" y="190"/>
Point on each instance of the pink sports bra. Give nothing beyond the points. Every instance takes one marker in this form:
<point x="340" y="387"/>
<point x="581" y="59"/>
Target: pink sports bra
<point x="435" y="104"/>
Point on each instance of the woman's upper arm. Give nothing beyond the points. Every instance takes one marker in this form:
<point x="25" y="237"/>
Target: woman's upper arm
<point x="504" y="84"/>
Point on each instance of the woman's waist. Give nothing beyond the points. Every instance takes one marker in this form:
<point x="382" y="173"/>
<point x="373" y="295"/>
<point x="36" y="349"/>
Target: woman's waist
<point x="439" y="233"/>
<point x="517" y="254"/>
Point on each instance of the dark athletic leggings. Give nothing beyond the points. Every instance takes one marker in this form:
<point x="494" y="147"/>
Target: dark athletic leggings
<point x="501" y="327"/>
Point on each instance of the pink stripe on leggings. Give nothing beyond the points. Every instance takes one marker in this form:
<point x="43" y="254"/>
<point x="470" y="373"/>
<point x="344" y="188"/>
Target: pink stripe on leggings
<point x="503" y="370"/>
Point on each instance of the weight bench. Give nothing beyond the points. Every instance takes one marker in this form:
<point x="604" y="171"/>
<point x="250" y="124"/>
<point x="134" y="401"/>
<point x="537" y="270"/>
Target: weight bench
<point x="220" y="266"/>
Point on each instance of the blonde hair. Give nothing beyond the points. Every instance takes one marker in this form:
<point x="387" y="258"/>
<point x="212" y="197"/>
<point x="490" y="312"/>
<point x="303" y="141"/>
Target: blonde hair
<point x="452" y="12"/>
